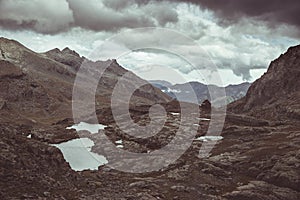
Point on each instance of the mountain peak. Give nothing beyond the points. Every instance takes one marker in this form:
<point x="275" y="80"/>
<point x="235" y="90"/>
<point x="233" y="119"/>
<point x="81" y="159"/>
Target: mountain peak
<point x="294" y="48"/>
<point x="55" y="50"/>
<point x="3" y="39"/>
<point x="12" y="50"/>
<point x="279" y="63"/>
<point x="67" y="50"/>
<point x="8" y="42"/>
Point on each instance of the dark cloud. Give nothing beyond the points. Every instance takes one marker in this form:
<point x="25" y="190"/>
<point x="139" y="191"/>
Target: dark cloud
<point x="18" y="25"/>
<point x="117" y="4"/>
<point x="272" y="11"/>
<point x="247" y="42"/>
<point x="122" y="4"/>
<point x="55" y="16"/>
<point x="39" y="15"/>
<point x="95" y="16"/>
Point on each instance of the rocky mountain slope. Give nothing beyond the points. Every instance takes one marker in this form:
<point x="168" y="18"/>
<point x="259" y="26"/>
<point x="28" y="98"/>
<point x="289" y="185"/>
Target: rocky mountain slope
<point x="256" y="159"/>
<point x="37" y="87"/>
<point x="276" y="94"/>
<point x="233" y="92"/>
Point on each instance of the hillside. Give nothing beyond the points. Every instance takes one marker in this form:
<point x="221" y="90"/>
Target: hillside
<point x="276" y="95"/>
<point x="37" y="87"/>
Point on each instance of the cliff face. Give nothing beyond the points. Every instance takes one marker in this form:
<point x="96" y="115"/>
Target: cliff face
<point x="276" y="94"/>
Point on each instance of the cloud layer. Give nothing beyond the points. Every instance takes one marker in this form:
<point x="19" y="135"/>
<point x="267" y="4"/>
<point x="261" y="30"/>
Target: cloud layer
<point x="240" y="36"/>
<point x="271" y="11"/>
<point x="55" y="16"/>
<point x="39" y="15"/>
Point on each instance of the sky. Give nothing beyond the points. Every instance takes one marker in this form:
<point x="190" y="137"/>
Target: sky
<point x="240" y="37"/>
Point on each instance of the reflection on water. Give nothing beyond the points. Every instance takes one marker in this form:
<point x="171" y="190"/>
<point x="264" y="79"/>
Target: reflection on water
<point x="83" y="126"/>
<point x="78" y="154"/>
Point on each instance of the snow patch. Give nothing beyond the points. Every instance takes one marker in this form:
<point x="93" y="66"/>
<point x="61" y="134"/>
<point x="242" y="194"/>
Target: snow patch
<point x="203" y="119"/>
<point x="209" y="138"/>
<point x="119" y="142"/>
<point x="173" y="90"/>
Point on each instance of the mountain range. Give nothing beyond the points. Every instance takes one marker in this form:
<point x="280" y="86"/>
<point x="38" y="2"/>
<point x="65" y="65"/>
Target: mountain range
<point x="179" y="91"/>
<point x="37" y="87"/>
<point x="255" y="157"/>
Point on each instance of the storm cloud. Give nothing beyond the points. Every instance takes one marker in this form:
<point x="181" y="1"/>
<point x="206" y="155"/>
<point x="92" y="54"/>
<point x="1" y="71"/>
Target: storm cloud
<point x="240" y="36"/>
<point x="272" y="11"/>
<point x="55" y="16"/>
<point x="39" y="15"/>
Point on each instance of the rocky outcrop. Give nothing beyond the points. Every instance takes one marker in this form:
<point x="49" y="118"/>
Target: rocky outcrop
<point x="206" y="105"/>
<point x="259" y="189"/>
<point x="66" y="56"/>
<point x="33" y="170"/>
<point x="9" y="70"/>
<point x="245" y="120"/>
<point x="3" y="104"/>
